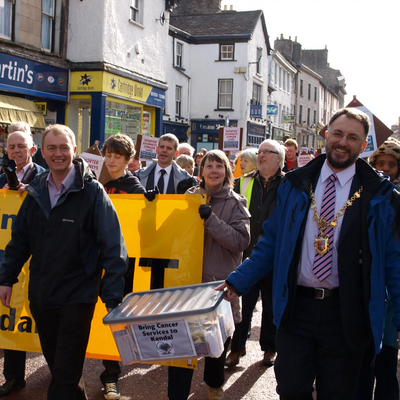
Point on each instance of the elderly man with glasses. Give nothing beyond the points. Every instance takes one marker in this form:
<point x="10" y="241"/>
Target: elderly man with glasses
<point x="260" y="188"/>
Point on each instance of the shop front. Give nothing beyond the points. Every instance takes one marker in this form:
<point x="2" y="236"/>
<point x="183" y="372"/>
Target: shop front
<point x="256" y="133"/>
<point x="180" y="130"/>
<point x="103" y="104"/>
<point x="205" y="133"/>
<point x="281" y="135"/>
<point x="32" y="92"/>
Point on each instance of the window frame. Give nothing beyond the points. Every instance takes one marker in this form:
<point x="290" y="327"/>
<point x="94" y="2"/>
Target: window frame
<point x="309" y="91"/>
<point x="178" y="100"/>
<point x="136" y="10"/>
<point x="258" y="90"/>
<point x="226" y="52"/>
<point x="178" y="55"/>
<point x="51" y="18"/>
<point x="259" y="56"/>
<point x="226" y="95"/>
<point x="301" y="87"/>
<point x="10" y="4"/>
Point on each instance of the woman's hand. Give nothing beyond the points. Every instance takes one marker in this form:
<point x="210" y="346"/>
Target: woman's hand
<point x="229" y="293"/>
<point x="205" y="211"/>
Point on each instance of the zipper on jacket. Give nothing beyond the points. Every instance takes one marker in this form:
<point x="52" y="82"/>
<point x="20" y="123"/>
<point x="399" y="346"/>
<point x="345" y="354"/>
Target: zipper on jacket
<point x="292" y="219"/>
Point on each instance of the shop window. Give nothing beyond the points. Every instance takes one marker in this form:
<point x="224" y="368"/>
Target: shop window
<point x="226" y="52"/>
<point x="6" y="11"/>
<point x="79" y="115"/>
<point x="225" y="93"/>
<point x="123" y="118"/>
<point x="137" y="11"/>
<point x="47" y="23"/>
<point x="178" y="93"/>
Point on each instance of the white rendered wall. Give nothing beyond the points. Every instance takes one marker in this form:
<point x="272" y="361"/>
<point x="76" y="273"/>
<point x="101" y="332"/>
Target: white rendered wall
<point x="100" y="31"/>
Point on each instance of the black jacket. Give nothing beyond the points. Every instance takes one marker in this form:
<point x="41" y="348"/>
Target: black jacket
<point x="124" y="185"/>
<point x="70" y="244"/>
<point x="262" y="204"/>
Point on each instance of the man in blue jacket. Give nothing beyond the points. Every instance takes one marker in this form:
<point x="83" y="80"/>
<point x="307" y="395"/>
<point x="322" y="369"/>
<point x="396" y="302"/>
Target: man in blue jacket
<point x="334" y="246"/>
<point x="69" y="226"/>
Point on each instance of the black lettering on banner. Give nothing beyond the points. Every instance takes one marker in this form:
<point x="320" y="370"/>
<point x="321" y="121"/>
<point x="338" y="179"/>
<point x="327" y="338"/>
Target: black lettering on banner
<point x="4" y="220"/>
<point x="158" y="266"/>
<point x="7" y="322"/>
<point x="129" y="275"/>
<point x="25" y="325"/>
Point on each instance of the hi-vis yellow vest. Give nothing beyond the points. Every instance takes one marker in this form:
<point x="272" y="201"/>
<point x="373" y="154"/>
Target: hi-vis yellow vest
<point x="246" y="187"/>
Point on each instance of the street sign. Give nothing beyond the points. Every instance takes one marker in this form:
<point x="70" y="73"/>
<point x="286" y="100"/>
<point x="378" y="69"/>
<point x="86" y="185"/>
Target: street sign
<point x="288" y="119"/>
<point x="272" y="110"/>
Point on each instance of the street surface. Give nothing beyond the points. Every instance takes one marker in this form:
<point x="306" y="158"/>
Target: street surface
<point x="249" y="380"/>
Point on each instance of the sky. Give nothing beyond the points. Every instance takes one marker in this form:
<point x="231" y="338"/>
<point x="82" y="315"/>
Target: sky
<point x="362" y="38"/>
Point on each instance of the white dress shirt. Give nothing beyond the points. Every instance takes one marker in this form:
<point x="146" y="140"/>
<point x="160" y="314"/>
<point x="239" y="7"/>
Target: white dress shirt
<point x="305" y="275"/>
<point x="157" y="175"/>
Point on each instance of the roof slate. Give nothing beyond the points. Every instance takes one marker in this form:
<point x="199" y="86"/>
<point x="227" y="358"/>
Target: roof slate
<point x="223" y="23"/>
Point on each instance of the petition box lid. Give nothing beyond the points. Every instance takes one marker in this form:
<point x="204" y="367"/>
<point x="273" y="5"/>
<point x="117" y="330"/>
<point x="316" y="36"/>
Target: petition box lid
<point x="166" y="303"/>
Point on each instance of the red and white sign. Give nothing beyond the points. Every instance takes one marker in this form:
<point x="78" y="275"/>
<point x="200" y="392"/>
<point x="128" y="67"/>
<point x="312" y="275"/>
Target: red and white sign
<point x="148" y="148"/>
<point x="95" y="162"/>
<point x="231" y="139"/>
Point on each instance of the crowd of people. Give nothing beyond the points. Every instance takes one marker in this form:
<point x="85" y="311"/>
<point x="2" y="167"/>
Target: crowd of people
<point x="319" y="244"/>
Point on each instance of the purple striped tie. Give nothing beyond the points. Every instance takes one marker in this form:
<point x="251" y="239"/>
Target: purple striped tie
<point x="322" y="267"/>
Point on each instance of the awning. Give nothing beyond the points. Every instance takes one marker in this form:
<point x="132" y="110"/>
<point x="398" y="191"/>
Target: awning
<point x="16" y="109"/>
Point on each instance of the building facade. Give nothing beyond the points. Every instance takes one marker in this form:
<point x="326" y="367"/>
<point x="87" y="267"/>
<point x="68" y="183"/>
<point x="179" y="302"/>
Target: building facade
<point x="118" y="68"/>
<point x="218" y="75"/>
<point x="281" y="81"/>
<point x="34" y="75"/>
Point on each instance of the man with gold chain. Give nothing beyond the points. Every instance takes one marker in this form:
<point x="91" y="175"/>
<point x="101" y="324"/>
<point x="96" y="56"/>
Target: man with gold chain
<point x="334" y="244"/>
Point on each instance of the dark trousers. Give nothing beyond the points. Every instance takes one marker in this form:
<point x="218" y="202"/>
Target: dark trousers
<point x="249" y="301"/>
<point x="64" y="335"/>
<point x="180" y="379"/>
<point x="313" y="347"/>
<point x="384" y="370"/>
<point x="111" y="372"/>
<point x="14" y="365"/>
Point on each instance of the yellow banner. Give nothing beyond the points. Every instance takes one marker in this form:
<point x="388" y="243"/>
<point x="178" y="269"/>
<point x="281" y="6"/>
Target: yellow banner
<point x="102" y="81"/>
<point x="168" y="228"/>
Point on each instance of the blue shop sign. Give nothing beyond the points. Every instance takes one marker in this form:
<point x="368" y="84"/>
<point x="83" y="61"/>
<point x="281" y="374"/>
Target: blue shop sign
<point x="211" y="126"/>
<point x="272" y="110"/>
<point x="254" y="129"/>
<point x="255" y="110"/>
<point x="33" y="78"/>
<point x="156" y="97"/>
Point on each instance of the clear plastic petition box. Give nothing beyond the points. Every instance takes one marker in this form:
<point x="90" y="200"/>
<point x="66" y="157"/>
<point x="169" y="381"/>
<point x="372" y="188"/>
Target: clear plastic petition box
<point x="172" y="324"/>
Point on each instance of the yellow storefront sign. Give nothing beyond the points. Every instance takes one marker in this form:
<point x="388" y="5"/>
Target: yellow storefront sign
<point x="102" y="81"/>
<point x="168" y="228"/>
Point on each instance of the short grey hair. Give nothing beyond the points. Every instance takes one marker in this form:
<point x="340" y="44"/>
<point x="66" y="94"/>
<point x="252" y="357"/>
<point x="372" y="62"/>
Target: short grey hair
<point x="250" y="154"/>
<point x="280" y="148"/>
<point x="26" y="135"/>
<point x="170" y="137"/>
<point x="186" y="146"/>
<point x="20" y="126"/>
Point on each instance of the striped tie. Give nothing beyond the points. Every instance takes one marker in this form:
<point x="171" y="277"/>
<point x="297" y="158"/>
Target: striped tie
<point x="322" y="267"/>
